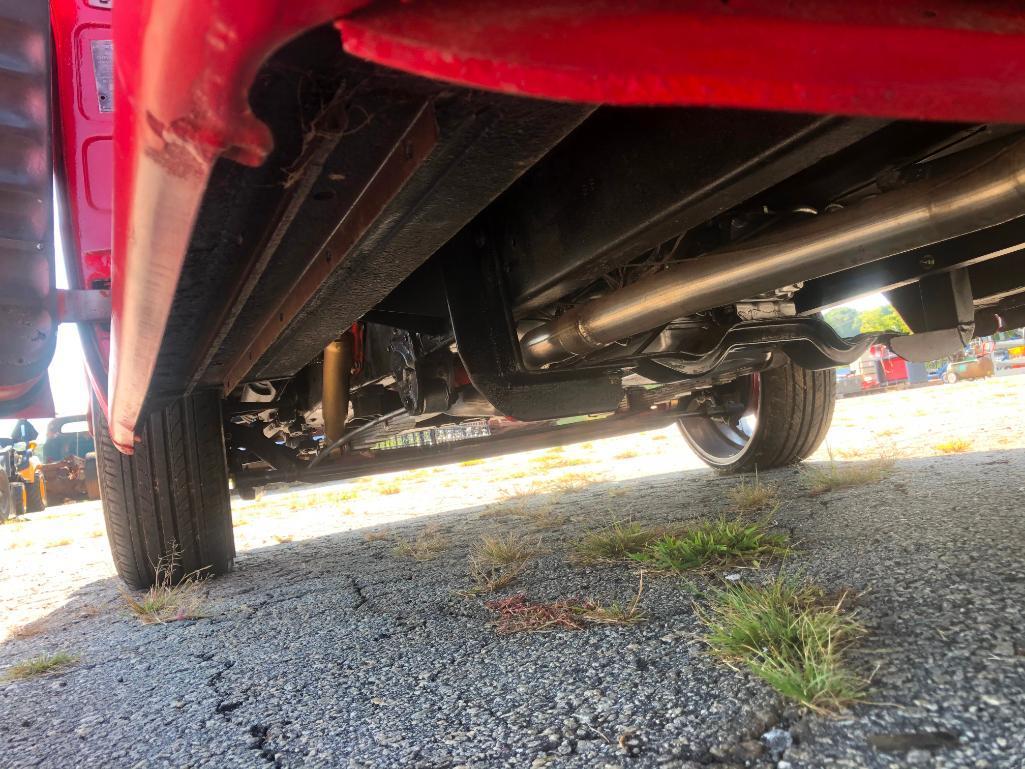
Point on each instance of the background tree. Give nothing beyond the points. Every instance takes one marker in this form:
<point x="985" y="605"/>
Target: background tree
<point x="844" y="320"/>
<point x="882" y="319"/>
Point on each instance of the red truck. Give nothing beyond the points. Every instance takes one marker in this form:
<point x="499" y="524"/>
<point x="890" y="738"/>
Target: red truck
<point x="305" y="239"/>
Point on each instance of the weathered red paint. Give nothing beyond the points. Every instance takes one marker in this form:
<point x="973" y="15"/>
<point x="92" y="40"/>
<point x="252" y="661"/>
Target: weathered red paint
<point x="184" y="71"/>
<point x="940" y="60"/>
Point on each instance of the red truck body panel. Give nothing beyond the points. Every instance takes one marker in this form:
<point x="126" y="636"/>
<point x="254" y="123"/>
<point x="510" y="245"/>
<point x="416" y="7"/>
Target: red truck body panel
<point x="183" y="71"/>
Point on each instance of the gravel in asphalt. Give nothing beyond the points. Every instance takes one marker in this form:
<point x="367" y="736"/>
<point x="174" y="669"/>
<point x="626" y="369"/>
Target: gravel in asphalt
<point x="335" y="650"/>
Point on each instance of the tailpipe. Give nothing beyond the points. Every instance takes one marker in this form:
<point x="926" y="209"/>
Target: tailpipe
<point x="975" y="196"/>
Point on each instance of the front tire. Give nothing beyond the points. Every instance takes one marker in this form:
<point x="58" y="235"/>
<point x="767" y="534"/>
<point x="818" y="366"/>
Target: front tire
<point x="781" y="416"/>
<point x="171" y="495"/>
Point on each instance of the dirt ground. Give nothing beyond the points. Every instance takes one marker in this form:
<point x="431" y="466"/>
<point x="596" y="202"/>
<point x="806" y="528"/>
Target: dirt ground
<point x="934" y="546"/>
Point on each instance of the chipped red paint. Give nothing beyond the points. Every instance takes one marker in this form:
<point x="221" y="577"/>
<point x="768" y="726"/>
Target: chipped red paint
<point x="183" y="71"/>
<point x="940" y="60"/>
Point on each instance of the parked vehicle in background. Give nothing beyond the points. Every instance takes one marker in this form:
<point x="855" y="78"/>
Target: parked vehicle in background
<point x="969" y="366"/>
<point x="70" y="460"/>
<point x="68" y="437"/>
<point x="26" y="465"/>
<point x="877" y="370"/>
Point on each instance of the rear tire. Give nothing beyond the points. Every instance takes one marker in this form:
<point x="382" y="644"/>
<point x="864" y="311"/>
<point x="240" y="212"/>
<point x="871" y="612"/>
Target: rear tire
<point x="19" y="499"/>
<point x="170" y="495"/>
<point x="92" y="479"/>
<point x="6" y="498"/>
<point x="35" y="494"/>
<point x="787" y="412"/>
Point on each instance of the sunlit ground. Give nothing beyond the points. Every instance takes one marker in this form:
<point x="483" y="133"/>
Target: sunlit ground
<point x="47" y="556"/>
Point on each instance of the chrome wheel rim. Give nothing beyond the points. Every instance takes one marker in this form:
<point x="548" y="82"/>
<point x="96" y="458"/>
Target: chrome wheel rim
<point x="723" y="440"/>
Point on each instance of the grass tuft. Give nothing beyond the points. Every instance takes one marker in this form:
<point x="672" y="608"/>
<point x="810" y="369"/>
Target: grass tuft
<point x="791" y="636"/>
<point x="495" y="562"/>
<point x="820" y="479"/>
<point x="37" y="666"/>
<point x="516" y="614"/>
<point x="387" y="489"/>
<point x="427" y="545"/>
<point x="711" y="545"/>
<point x="504" y="550"/>
<point x="170" y="599"/>
<point x="953" y="446"/>
<point x="615" y="542"/>
<point x="754" y="496"/>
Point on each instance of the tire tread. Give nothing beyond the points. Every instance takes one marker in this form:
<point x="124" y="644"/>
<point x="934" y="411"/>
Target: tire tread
<point x="172" y="492"/>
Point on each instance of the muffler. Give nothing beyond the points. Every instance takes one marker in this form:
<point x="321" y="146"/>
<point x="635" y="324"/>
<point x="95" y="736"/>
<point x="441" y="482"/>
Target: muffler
<point x="981" y="194"/>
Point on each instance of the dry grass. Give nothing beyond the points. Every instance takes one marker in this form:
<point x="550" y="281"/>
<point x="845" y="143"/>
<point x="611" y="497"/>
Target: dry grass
<point x="790" y="635"/>
<point x="953" y="446"/>
<point x="383" y="535"/>
<point x="628" y="454"/>
<point x="616" y="542"/>
<point x="572" y="482"/>
<point x="516" y="614"/>
<point x="96" y="533"/>
<point x="488" y="579"/>
<point x="494" y="562"/>
<point x="425" y="546"/>
<point x="471" y="463"/>
<point x="282" y="538"/>
<point x="713" y="545"/>
<point x="504" y="549"/>
<point x="170" y="599"/>
<point x="754" y="496"/>
<point x="547" y="462"/>
<point x="566" y="482"/>
<point x="37" y="666"/>
<point x="539" y="514"/>
<point x="820" y="479"/>
<point x="387" y="489"/>
<point x="31" y="629"/>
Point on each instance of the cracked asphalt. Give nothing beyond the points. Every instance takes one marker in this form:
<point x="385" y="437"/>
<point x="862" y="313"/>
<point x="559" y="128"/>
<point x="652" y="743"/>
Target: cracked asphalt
<point x="328" y="648"/>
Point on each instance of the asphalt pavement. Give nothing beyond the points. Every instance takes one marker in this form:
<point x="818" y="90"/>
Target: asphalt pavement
<point x="338" y="651"/>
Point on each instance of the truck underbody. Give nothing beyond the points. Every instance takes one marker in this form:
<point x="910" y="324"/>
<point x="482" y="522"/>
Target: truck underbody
<point x="369" y="261"/>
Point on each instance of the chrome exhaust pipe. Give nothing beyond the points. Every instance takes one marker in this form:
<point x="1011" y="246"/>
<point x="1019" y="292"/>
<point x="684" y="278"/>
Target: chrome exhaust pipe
<point x="982" y="194"/>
